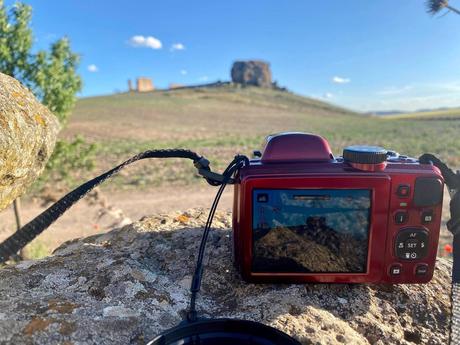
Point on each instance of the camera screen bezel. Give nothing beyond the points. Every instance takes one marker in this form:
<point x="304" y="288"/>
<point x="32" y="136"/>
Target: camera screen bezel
<point x="380" y="190"/>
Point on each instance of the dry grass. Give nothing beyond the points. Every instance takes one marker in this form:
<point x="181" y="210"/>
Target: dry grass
<point x="220" y="122"/>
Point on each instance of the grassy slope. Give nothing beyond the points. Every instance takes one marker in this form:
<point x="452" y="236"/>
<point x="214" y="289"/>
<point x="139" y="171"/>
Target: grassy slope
<point x="219" y="122"/>
<point x="445" y="114"/>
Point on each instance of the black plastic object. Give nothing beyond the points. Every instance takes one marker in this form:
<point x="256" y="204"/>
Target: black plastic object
<point x="223" y="332"/>
<point x="365" y="154"/>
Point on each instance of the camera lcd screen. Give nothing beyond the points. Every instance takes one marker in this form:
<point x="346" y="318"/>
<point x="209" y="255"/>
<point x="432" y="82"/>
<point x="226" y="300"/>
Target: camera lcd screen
<point x="309" y="230"/>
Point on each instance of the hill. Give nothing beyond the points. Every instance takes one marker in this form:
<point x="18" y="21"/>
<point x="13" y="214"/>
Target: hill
<point x="219" y="122"/>
<point x="435" y="114"/>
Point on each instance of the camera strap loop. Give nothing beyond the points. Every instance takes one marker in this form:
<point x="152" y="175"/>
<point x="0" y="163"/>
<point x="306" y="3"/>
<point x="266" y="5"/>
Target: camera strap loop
<point x="28" y="232"/>
<point x="238" y="162"/>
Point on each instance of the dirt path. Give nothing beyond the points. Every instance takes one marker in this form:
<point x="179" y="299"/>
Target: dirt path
<point x="89" y="217"/>
<point x="105" y="211"/>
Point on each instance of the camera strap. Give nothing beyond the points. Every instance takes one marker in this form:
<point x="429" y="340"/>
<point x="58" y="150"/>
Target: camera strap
<point x="10" y="247"/>
<point x="452" y="181"/>
<point x="28" y="232"/>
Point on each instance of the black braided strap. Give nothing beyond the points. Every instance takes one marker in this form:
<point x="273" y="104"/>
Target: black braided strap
<point x="453" y="225"/>
<point x="451" y="178"/>
<point x="28" y="232"/>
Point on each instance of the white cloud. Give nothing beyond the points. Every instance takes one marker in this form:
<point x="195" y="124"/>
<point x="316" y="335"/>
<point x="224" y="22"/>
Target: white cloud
<point x="410" y="97"/>
<point x="177" y="46"/>
<point x="145" y="42"/>
<point x="328" y="95"/>
<point x="340" y="80"/>
<point x="394" y="90"/>
<point x="93" y="68"/>
<point x="183" y="71"/>
<point x="203" y="78"/>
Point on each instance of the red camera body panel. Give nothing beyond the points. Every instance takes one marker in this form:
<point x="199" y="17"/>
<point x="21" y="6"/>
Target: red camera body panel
<point x="402" y="212"/>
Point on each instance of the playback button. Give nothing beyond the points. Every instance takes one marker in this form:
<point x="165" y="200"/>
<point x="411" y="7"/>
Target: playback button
<point x="395" y="270"/>
<point x="411" y="244"/>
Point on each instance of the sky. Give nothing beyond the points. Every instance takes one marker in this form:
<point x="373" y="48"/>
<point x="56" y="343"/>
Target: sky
<point x="360" y="54"/>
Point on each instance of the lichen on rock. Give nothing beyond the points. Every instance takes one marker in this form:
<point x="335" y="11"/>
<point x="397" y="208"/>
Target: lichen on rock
<point x="128" y="285"/>
<point x="28" y="132"/>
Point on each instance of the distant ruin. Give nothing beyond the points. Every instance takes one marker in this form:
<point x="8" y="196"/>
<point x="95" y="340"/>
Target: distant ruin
<point x="252" y="72"/>
<point x="143" y="84"/>
<point x="243" y="72"/>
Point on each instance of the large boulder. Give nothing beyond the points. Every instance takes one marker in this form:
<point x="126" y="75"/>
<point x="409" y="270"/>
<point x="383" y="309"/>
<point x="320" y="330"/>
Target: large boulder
<point x="28" y="133"/>
<point x="126" y="286"/>
<point x="252" y="72"/>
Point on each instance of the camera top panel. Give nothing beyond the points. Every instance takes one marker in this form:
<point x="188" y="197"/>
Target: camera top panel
<point x="296" y="152"/>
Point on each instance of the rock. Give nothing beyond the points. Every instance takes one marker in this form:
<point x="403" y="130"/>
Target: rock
<point x="128" y="285"/>
<point x="252" y="72"/>
<point x="28" y="133"/>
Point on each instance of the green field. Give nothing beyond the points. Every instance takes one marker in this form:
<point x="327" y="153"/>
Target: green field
<point x="445" y="114"/>
<point x="219" y="122"/>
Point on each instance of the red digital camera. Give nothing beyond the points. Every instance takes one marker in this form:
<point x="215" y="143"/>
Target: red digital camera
<point x="301" y="215"/>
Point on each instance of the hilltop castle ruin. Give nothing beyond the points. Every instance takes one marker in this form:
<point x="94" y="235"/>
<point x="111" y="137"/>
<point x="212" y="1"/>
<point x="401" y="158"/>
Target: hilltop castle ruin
<point x="143" y="84"/>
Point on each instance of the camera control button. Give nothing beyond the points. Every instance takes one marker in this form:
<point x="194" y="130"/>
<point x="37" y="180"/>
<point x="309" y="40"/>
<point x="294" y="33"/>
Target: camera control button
<point x="395" y="270"/>
<point x="411" y="244"/>
<point x="401" y="217"/>
<point x="403" y="191"/>
<point x="421" y="270"/>
<point x="427" y="216"/>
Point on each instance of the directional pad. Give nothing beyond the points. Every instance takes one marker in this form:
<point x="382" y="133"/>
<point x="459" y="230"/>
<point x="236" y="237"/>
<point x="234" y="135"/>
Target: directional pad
<point x="411" y="244"/>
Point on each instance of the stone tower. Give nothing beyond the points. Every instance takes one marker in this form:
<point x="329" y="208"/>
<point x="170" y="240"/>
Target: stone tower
<point x="252" y="72"/>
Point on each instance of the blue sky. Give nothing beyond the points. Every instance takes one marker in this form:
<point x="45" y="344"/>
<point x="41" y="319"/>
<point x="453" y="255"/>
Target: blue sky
<point x="361" y="54"/>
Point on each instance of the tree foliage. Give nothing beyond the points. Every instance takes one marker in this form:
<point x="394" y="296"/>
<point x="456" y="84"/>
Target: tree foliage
<point x="54" y="78"/>
<point x="436" y="6"/>
<point x="51" y="76"/>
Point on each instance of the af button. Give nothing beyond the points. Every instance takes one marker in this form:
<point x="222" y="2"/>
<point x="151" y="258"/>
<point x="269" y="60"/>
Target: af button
<point x="411" y="244"/>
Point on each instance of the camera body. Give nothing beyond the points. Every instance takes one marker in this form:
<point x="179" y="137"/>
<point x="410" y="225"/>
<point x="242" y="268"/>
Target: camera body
<point x="300" y="215"/>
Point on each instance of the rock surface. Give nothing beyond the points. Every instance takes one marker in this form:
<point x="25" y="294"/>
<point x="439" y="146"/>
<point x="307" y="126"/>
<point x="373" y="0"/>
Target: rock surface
<point x="28" y="133"/>
<point x="126" y="286"/>
<point x="252" y="72"/>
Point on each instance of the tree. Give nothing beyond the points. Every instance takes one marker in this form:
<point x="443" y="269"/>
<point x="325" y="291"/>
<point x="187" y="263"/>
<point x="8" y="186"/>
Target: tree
<point x="52" y="75"/>
<point x="436" y="6"/>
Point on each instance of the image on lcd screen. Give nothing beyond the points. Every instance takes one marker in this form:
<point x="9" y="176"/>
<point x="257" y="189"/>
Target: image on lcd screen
<point x="310" y="230"/>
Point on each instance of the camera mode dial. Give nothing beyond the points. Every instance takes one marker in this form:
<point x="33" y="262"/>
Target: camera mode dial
<point x="368" y="158"/>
